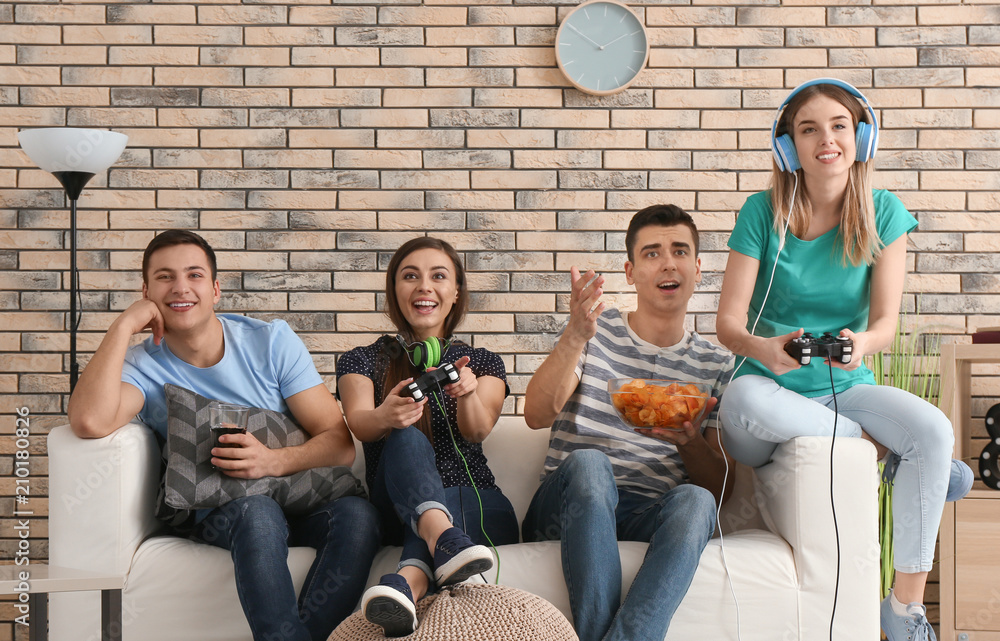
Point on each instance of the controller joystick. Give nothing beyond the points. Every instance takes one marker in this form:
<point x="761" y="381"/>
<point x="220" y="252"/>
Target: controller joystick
<point x="429" y="381"/>
<point x="836" y="348"/>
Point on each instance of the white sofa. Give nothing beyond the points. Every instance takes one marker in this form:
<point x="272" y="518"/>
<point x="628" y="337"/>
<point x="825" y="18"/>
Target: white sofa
<point x="779" y="545"/>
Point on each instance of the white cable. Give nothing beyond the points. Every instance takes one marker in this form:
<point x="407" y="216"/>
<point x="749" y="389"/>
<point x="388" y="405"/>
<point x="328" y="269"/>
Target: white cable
<point x="722" y="538"/>
<point x="781" y="245"/>
<point x="725" y="459"/>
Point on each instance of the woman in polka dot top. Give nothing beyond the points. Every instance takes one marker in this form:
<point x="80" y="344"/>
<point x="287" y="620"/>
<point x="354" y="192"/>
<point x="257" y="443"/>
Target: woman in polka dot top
<point x="426" y="470"/>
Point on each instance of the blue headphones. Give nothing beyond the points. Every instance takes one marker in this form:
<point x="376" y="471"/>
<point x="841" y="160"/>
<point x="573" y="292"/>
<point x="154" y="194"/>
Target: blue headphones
<point x="866" y="141"/>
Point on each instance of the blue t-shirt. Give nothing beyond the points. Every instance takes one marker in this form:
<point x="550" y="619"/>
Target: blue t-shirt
<point x="812" y="287"/>
<point x="264" y="363"/>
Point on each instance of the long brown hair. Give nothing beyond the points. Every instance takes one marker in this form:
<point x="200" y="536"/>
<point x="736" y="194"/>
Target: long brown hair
<point x="858" y="234"/>
<point x="399" y="366"/>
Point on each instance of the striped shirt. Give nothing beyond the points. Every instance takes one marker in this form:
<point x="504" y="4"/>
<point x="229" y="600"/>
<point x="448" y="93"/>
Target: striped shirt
<point x="641" y="464"/>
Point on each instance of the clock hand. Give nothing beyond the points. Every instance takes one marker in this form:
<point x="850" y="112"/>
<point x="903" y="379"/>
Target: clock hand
<point x="616" y="40"/>
<point x="585" y="37"/>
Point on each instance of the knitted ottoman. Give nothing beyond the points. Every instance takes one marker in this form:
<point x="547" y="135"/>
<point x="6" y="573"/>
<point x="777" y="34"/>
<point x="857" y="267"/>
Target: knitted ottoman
<point x="473" y="612"/>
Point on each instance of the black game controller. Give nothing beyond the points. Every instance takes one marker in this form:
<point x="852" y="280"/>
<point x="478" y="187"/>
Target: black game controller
<point x="429" y="381"/>
<point x="836" y="348"/>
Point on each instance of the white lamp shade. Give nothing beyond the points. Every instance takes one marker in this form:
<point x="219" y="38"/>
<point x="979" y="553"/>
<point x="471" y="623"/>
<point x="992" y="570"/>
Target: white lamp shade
<point x="71" y="149"/>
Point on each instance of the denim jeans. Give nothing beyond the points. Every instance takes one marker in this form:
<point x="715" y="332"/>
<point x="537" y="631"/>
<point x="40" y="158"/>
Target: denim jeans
<point x="345" y="534"/>
<point x="407" y="484"/>
<point x="580" y="505"/>
<point x="757" y="414"/>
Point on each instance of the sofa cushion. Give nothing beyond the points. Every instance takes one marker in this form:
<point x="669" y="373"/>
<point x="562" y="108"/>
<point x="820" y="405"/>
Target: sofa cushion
<point x="192" y="483"/>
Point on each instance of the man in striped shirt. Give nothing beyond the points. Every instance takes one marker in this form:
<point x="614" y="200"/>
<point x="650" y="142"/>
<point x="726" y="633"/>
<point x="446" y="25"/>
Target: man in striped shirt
<point x="603" y="481"/>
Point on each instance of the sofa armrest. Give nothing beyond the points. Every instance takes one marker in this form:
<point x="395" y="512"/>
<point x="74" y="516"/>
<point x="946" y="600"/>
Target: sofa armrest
<point x="102" y="495"/>
<point x="793" y="491"/>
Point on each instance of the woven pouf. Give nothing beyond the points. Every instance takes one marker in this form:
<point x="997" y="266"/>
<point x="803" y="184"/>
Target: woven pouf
<point x="473" y="612"/>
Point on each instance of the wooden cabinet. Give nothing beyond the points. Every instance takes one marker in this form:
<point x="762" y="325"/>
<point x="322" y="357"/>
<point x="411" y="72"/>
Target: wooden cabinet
<point x="970" y="528"/>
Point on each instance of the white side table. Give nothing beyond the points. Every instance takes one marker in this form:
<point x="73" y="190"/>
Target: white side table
<point x="45" y="579"/>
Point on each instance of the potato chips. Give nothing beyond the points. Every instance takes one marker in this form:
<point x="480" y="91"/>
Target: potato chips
<point x="642" y="403"/>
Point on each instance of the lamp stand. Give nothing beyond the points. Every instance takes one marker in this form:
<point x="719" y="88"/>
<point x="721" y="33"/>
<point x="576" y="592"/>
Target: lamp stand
<point x="74" y="156"/>
<point x="73" y="182"/>
<point x="74" y="322"/>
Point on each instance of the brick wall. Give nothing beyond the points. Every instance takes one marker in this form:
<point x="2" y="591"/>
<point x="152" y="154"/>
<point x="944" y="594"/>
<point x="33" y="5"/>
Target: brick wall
<point x="307" y="140"/>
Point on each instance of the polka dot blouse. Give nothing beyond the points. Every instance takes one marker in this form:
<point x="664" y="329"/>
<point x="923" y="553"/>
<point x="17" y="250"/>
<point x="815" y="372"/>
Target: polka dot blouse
<point x="372" y="360"/>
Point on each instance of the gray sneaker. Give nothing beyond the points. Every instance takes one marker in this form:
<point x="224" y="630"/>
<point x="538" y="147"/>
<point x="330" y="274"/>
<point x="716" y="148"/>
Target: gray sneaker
<point x="912" y="627"/>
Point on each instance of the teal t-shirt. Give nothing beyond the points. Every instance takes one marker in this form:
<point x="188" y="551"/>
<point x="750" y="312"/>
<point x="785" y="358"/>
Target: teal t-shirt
<point x="812" y="287"/>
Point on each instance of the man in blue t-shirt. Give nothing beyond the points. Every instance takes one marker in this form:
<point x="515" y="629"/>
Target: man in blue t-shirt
<point x="246" y="361"/>
<point x="604" y="481"/>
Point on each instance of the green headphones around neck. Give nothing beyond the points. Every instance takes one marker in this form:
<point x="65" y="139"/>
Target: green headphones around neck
<point x="426" y="353"/>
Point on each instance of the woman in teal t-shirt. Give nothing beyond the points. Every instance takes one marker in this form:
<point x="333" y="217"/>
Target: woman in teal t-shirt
<point x="821" y="251"/>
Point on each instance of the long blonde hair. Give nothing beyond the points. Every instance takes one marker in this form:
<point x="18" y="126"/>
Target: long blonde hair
<point x="858" y="234"/>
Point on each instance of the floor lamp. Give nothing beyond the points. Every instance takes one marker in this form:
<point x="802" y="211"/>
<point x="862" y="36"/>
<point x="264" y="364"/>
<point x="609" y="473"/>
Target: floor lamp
<point x="73" y="156"/>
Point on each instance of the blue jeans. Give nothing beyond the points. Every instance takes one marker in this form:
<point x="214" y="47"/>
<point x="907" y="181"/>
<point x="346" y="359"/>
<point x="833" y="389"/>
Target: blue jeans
<point x="757" y="414"/>
<point x="580" y="505"/>
<point x="407" y="484"/>
<point x="345" y="534"/>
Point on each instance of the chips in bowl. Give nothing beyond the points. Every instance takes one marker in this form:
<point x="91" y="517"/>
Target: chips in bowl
<point x="647" y="403"/>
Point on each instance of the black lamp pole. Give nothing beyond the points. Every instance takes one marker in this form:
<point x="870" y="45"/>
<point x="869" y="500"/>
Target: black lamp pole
<point x="73" y="182"/>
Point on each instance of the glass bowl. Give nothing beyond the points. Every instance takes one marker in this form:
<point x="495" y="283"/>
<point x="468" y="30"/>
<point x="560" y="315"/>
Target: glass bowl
<point x="657" y="402"/>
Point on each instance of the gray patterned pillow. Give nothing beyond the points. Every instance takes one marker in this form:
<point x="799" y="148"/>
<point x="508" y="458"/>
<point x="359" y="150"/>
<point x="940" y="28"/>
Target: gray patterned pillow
<point x="192" y="483"/>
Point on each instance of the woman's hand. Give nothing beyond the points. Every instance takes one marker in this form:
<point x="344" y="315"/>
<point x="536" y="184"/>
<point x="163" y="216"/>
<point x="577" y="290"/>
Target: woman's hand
<point x="467" y="380"/>
<point x="772" y="355"/>
<point x="861" y="348"/>
<point x="398" y="411"/>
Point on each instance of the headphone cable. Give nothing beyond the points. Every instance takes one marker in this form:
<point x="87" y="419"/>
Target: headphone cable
<point x="482" y="524"/>
<point x="833" y="506"/>
<point x="725" y="458"/>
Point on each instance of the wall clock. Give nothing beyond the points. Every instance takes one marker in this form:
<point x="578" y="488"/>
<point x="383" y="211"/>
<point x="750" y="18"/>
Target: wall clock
<point x="601" y="47"/>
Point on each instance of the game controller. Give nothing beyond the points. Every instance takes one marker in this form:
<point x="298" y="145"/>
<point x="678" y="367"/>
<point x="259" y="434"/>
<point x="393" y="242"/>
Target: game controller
<point x="836" y="348"/>
<point x="430" y="380"/>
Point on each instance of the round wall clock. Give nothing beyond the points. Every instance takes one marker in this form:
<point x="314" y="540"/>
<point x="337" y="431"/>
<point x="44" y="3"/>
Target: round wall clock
<point x="601" y="47"/>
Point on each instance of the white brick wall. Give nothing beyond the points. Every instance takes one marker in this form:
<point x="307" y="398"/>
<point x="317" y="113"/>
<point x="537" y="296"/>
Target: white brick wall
<point x="308" y="141"/>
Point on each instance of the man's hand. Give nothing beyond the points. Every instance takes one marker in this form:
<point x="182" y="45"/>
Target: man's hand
<point x="247" y="458"/>
<point x="585" y="305"/>
<point x="102" y="402"/>
<point x="555" y="379"/>
<point x="141" y="315"/>
<point x="398" y="411"/>
<point x="687" y="433"/>
<point x="467" y="380"/>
